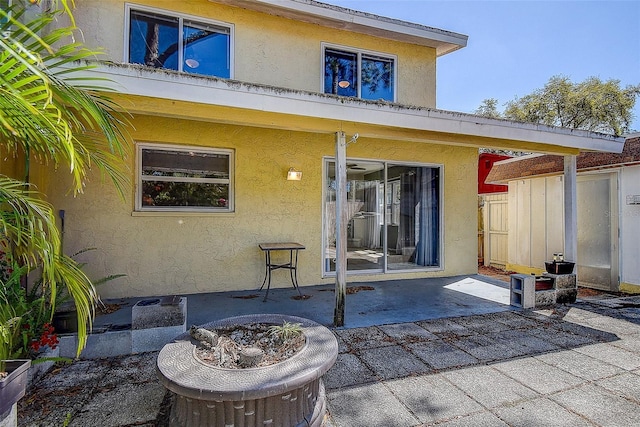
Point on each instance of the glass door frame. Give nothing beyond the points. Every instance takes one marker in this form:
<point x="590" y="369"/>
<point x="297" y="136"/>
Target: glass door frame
<point x="327" y="272"/>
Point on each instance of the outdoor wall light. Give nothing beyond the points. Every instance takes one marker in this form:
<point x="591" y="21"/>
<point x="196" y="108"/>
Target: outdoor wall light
<point x="294" y="175"/>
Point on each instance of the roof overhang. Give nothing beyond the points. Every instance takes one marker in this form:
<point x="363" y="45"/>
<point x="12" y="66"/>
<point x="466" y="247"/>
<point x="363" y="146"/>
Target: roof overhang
<point x="360" y="22"/>
<point x="538" y="165"/>
<point x="171" y="94"/>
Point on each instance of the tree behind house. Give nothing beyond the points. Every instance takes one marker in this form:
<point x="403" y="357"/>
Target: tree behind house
<point x="593" y="105"/>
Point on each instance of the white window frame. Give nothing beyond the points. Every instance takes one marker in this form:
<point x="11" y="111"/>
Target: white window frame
<point x="359" y="53"/>
<point x="181" y="18"/>
<point x="140" y="178"/>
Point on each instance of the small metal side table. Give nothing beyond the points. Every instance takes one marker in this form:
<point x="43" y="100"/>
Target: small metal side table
<point x="292" y="265"/>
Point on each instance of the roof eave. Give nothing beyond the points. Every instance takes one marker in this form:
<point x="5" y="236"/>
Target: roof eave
<point x="361" y="22"/>
<point x="166" y="84"/>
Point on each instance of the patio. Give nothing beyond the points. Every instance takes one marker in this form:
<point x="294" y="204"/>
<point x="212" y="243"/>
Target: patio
<point x="575" y="365"/>
<point x="368" y="303"/>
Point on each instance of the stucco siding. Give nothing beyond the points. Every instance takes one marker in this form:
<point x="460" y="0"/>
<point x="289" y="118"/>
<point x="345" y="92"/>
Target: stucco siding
<point x="268" y="49"/>
<point x="187" y="253"/>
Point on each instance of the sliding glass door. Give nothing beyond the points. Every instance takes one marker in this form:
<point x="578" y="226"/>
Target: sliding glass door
<point x="393" y="217"/>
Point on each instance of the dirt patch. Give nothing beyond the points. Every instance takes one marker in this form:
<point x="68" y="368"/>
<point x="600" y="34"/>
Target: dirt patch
<point x="495" y="272"/>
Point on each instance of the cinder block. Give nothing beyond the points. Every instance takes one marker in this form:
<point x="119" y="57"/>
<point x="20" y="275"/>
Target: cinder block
<point x="522" y="290"/>
<point x="564" y="281"/>
<point x="546" y="297"/>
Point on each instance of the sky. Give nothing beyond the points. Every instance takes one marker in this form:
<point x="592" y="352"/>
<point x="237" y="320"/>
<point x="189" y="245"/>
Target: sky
<point x="516" y="46"/>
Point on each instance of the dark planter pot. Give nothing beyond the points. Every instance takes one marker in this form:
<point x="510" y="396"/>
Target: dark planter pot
<point x="12" y="388"/>
<point x="289" y="393"/>
<point x="559" y="267"/>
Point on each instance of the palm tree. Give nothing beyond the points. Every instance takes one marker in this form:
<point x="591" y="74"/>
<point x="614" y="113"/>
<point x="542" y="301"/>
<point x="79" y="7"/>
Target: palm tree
<point x="51" y="114"/>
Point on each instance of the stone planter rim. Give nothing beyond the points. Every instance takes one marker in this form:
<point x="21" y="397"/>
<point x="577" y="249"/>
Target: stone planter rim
<point x="182" y="373"/>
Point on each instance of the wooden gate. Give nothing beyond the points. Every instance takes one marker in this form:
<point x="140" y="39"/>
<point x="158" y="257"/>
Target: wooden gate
<point x="495" y="228"/>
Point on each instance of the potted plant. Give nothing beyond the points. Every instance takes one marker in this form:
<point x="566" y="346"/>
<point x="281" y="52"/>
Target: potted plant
<point x="208" y="390"/>
<point x="13" y="383"/>
<point x="13" y="373"/>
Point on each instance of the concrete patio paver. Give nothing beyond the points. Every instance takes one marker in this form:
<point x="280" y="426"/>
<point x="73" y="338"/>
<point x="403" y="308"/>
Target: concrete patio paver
<point x="611" y="354"/>
<point x="540" y="412"/>
<point x="482" y="419"/>
<point x="580" y="365"/>
<point x="538" y="375"/>
<point x="433" y="398"/>
<point x="599" y="405"/>
<point x="348" y="371"/>
<point x="377" y="407"/>
<point x="408" y="332"/>
<point x="545" y="370"/>
<point x="393" y="362"/>
<point x="627" y="385"/>
<point x="440" y="355"/>
<point x="489" y="387"/>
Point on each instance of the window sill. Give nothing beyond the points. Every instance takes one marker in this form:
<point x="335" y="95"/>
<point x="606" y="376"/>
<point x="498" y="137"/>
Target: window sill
<point x="180" y="214"/>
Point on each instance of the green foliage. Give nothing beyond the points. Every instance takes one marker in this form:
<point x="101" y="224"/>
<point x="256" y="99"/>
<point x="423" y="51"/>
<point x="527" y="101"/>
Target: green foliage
<point x="489" y="108"/>
<point x="593" y="105"/>
<point x="285" y="331"/>
<point x="50" y="114"/>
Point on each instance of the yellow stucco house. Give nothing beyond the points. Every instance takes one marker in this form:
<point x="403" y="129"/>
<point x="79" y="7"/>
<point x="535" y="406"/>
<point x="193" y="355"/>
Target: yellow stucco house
<point x="228" y="96"/>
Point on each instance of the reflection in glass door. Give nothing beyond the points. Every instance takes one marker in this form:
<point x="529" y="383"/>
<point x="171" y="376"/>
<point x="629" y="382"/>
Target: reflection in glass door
<point x="393" y="217"/>
<point x="364" y="216"/>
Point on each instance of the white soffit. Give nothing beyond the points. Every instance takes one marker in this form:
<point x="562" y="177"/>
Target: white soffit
<point x="164" y="84"/>
<point x="347" y="19"/>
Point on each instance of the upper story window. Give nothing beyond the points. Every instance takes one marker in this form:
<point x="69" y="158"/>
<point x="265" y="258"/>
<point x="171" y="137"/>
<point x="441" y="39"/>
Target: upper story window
<point x="366" y="75"/>
<point x="178" y="42"/>
<point x="173" y="178"/>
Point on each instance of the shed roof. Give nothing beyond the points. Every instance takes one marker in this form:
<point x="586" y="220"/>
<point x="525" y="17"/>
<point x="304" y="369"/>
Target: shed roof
<point x="537" y="165"/>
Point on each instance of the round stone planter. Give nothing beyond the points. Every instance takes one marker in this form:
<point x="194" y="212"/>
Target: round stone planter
<point x="289" y="393"/>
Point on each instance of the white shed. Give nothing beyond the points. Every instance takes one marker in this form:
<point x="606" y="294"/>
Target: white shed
<point x="608" y="208"/>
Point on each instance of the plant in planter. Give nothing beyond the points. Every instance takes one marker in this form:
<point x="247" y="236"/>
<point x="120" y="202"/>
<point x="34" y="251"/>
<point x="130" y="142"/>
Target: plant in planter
<point x="13" y="373"/>
<point x="287" y="393"/>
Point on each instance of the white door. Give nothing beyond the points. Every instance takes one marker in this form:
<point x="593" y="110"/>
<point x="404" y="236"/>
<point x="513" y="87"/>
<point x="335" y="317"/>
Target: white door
<point x="598" y="231"/>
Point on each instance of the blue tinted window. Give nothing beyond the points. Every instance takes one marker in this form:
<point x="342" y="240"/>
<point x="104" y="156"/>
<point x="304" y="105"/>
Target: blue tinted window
<point x="377" y="78"/>
<point x="340" y="73"/>
<point x="358" y="74"/>
<point x="153" y="40"/>
<point x="206" y="50"/>
<point x="203" y="49"/>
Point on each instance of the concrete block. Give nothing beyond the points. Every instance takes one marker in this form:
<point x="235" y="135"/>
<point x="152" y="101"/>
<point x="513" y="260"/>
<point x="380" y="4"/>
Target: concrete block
<point x="563" y="281"/>
<point x="544" y="298"/>
<point x="107" y="344"/>
<point x="523" y="289"/>
<point x="155" y="313"/>
<point x="156" y="322"/>
<point x="152" y="339"/>
<point x="68" y="344"/>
